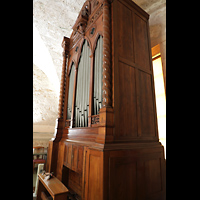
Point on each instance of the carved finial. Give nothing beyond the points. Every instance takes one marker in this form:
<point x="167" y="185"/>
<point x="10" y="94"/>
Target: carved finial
<point x="85" y="11"/>
<point x="81" y="22"/>
<point x="65" y="45"/>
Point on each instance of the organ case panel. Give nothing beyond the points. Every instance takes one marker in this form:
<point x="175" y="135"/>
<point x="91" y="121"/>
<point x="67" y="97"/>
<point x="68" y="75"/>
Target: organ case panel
<point x="133" y="76"/>
<point x="73" y="157"/>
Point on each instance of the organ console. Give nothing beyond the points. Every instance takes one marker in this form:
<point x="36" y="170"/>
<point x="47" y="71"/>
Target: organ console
<point x="106" y="144"/>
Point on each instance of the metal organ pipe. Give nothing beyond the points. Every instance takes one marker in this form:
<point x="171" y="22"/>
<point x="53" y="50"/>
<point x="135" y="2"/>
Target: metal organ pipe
<point x="82" y="90"/>
<point x="83" y="84"/>
<point x="70" y="93"/>
<point x="101" y="73"/>
<point x="98" y="70"/>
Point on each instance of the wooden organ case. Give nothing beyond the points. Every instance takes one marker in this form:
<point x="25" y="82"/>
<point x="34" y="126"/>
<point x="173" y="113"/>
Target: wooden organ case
<point x="106" y="144"/>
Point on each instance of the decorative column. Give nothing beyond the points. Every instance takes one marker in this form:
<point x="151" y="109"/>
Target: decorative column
<point x="106" y="119"/>
<point x="52" y="156"/>
<point x="65" y="46"/>
<point x="60" y="121"/>
<point x="107" y="97"/>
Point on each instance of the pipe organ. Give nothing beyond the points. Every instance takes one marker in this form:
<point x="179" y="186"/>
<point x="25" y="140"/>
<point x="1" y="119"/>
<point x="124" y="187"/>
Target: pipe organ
<point x="98" y="70"/>
<point x="70" y="92"/>
<point x="82" y="88"/>
<point x="106" y="144"/>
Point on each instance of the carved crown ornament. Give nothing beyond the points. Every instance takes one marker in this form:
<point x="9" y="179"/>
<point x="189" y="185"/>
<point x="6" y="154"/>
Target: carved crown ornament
<point x="89" y="13"/>
<point x="88" y="7"/>
<point x="81" y="22"/>
<point x="65" y="45"/>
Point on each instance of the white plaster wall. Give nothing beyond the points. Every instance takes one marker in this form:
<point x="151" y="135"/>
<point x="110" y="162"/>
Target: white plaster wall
<point x="45" y="99"/>
<point x="45" y="108"/>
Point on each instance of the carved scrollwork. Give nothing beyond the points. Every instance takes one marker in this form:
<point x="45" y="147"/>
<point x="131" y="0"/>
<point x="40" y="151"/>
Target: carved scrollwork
<point x="67" y="123"/>
<point x="81" y="22"/>
<point x="95" y="3"/>
<point x="76" y="36"/>
<point x="96" y="15"/>
<point x="95" y="119"/>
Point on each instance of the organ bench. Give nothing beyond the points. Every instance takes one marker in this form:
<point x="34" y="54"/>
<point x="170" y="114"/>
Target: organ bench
<point x="53" y="186"/>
